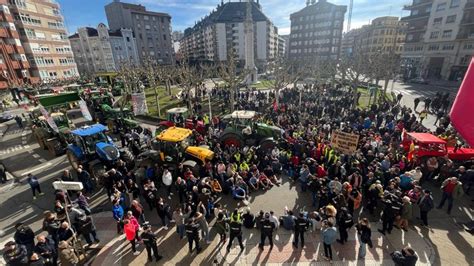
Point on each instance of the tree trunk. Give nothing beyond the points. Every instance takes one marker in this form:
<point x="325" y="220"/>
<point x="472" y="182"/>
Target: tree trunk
<point x="168" y="86"/>
<point x="385" y="88"/>
<point x="157" y="101"/>
<point x="232" y="99"/>
<point x="277" y="97"/>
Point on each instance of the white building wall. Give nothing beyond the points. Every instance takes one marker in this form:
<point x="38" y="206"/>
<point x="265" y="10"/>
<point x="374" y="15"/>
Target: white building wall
<point x="261" y="37"/>
<point x="221" y="41"/>
<point x="239" y="42"/>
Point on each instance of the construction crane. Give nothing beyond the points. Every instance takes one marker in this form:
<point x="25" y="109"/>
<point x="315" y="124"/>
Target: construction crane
<point x="350" y="15"/>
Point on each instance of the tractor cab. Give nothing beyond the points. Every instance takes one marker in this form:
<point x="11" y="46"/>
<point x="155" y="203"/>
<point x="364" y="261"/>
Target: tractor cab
<point x="90" y="141"/>
<point x="174" y="145"/>
<point x="180" y="117"/>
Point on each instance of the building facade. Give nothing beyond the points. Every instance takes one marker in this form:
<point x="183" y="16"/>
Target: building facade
<point x="316" y="30"/>
<point x="152" y="30"/>
<point x="281" y="52"/>
<point x="14" y="67"/>
<point x="438" y="39"/>
<point x="223" y="30"/>
<point x="383" y="35"/>
<point x="44" y="38"/>
<point x="100" y="50"/>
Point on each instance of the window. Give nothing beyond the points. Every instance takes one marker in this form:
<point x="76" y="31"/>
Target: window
<point x="434" y="35"/>
<point x="56" y="25"/>
<point x="441" y="6"/>
<point x="18" y="3"/>
<point x="164" y="37"/>
<point x="451" y="19"/>
<point x="454" y="3"/>
<point x="27" y="19"/>
<point x="147" y="27"/>
<point x="409" y="37"/>
<point x="447" y="33"/>
<point x="433" y="47"/>
<point x="468" y="46"/>
<point x="448" y="47"/>
<point x="465" y="60"/>
<point x="437" y="21"/>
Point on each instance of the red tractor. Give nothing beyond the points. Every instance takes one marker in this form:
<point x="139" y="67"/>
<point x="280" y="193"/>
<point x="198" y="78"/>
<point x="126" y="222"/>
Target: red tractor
<point x="172" y="116"/>
<point x="428" y="145"/>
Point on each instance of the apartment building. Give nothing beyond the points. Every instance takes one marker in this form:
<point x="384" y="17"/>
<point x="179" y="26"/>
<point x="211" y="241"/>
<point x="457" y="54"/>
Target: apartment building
<point x="223" y="30"/>
<point x="44" y="38"/>
<point x="14" y="67"/>
<point x="316" y="30"/>
<point x="438" y="36"/>
<point x="152" y="30"/>
<point x="100" y="50"/>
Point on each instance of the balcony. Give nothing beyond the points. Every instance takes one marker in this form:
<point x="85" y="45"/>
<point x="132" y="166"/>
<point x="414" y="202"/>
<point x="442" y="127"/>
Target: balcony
<point x="3" y="33"/>
<point x="467" y="21"/>
<point x="9" y="48"/>
<point x="16" y="65"/>
<point x="25" y="64"/>
<point x="417" y="3"/>
<point x="416" y="17"/>
<point x="416" y="29"/>
<point x="3" y="85"/>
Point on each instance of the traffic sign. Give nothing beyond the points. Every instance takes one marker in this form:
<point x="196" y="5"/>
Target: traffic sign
<point x="61" y="185"/>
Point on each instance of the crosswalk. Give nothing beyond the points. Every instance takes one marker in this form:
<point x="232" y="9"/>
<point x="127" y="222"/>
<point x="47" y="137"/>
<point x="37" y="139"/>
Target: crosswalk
<point x="16" y="131"/>
<point x="415" y="93"/>
<point x="14" y="149"/>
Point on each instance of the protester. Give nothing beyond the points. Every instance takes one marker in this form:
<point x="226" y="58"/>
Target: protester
<point x="365" y="236"/>
<point x="24" y="236"/>
<point x="452" y="189"/>
<point x="34" y="185"/>
<point x="426" y="204"/>
<point x="130" y="234"/>
<point x="328" y="236"/>
<point x="67" y="254"/>
<point x="405" y="257"/>
<point x="15" y="254"/>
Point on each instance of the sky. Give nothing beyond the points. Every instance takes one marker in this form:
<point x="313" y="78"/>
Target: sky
<point x="184" y="13"/>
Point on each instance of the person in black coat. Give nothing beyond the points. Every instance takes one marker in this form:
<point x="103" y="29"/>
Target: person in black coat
<point x="301" y="225"/>
<point x="149" y="239"/>
<point x="345" y="222"/>
<point x="46" y="249"/>
<point x="15" y="255"/>
<point x="86" y="227"/>
<point x="24" y="236"/>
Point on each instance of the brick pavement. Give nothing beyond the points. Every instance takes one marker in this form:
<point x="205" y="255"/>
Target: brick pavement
<point x="115" y="250"/>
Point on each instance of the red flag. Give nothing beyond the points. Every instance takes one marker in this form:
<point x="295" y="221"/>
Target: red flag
<point x="463" y="107"/>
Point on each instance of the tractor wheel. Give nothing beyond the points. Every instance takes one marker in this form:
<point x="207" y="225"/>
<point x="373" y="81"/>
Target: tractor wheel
<point x="230" y="139"/>
<point x="267" y="145"/>
<point x="52" y="147"/>
<point x="97" y="171"/>
<point x="128" y="158"/>
<point x="40" y="141"/>
<point x="73" y="160"/>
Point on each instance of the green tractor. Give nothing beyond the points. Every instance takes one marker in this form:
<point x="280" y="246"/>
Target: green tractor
<point x="47" y="138"/>
<point x="242" y="129"/>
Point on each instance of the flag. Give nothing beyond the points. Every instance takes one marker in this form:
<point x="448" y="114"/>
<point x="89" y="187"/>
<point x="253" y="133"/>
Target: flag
<point x="84" y="110"/>
<point x="463" y="107"/>
<point x="49" y="119"/>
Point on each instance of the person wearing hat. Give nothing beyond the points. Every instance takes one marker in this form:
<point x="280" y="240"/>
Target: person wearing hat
<point x="426" y="204"/>
<point x="301" y="225"/>
<point x="235" y="229"/>
<point x="267" y="228"/>
<point x="452" y="189"/>
<point x="14" y="254"/>
<point x="149" y="239"/>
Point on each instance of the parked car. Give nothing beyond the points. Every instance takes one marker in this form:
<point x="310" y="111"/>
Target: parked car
<point x="418" y="81"/>
<point x="6" y="116"/>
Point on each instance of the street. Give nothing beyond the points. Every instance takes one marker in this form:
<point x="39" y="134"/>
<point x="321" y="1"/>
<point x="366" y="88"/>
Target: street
<point x="445" y="243"/>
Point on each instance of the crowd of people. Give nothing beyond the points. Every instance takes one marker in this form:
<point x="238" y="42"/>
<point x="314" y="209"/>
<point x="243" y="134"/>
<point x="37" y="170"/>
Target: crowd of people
<point x="378" y="181"/>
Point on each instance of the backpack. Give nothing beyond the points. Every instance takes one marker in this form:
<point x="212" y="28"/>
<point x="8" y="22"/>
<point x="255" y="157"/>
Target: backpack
<point x="348" y="221"/>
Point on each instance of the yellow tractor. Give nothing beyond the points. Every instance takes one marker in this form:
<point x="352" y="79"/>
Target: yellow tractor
<point x="173" y="147"/>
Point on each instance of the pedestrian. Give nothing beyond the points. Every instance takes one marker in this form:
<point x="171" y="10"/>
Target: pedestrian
<point x="301" y="225"/>
<point x="167" y="179"/>
<point x="329" y="235"/>
<point x="235" y="228"/>
<point x="164" y="212"/>
<point x="135" y="223"/>
<point x="405" y="257"/>
<point x="15" y="254"/>
<point x="85" y="178"/>
<point x="3" y="173"/>
<point x="24" y="236"/>
<point x="406" y="213"/>
<point x="137" y="210"/>
<point x="35" y="185"/>
<point x="67" y="254"/>
<point x="45" y="247"/>
<point x="365" y="236"/>
<point x="221" y="226"/>
<point x="81" y="201"/>
<point x="87" y="228"/>
<point x="130" y="234"/>
<point x="118" y="213"/>
<point x="36" y="260"/>
<point x="416" y="102"/>
<point x="181" y="188"/>
<point x="426" y="204"/>
<point x="452" y="189"/>
<point x="19" y="122"/>
<point x="179" y="217"/>
<point x="266" y="231"/>
<point x="399" y="97"/>
<point x="192" y="233"/>
<point x="65" y="232"/>
<point x="387" y="217"/>
<point x="345" y="222"/>
<point x="149" y="239"/>
<point x="248" y="219"/>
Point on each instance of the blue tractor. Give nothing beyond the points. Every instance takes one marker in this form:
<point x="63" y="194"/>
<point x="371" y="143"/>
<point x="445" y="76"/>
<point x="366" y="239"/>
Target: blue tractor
<point x="95" y="151"/>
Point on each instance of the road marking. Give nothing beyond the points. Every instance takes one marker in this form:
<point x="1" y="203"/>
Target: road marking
<point x="13" y="149"/>
<point x="36" y="156"/>
<point x="36" y="169"/>
<point x="42" y="160"/>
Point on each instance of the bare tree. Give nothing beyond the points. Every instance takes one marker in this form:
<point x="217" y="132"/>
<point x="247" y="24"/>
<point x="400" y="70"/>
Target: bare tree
<point x="190" y="78"/>
<point x="130" y="74"/>
<point x="150" y="69"/>
<point x="284" y="73"/>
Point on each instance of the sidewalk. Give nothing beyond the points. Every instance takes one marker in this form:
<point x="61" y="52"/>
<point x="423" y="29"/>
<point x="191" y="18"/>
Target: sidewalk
<point x="116" y="250"/>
